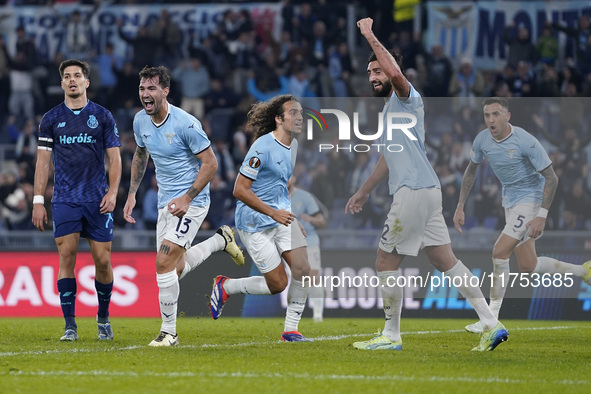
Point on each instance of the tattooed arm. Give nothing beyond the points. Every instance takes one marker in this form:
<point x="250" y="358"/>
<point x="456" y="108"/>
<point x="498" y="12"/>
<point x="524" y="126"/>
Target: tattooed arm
<point x="549" y="187"/>
<point x="138" y="169"/>
<point x="467" y="183"/>
<point x="537" y="224"/>
<point x="388" y="64"/>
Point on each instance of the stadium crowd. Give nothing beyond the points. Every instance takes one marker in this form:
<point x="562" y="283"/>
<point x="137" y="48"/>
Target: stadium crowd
<point x="217" y="77"/>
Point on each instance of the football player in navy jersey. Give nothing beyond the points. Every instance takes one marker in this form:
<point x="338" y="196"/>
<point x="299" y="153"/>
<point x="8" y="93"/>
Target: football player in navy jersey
<point x="79" y="133"/>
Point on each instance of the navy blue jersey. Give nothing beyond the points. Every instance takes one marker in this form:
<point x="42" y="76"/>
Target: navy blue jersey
<point x="79" y="140"/>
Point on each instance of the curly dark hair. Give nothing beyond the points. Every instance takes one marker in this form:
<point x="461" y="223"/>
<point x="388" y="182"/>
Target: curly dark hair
<point x="74" y="62"/>
<point x="161" y="72"/>
<point x="261" y="117"/>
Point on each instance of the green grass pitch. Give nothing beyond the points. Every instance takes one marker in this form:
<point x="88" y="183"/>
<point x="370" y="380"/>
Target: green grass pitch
<point x="244" y="355"/>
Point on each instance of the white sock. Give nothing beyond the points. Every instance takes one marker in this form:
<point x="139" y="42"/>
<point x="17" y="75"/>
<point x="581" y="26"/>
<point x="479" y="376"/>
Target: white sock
<point x="197" y="254"/>
<point x="316" y="295"/>
<point x="497" y="290"/>
<point x="253" y="285"/>
<point x="392" y="296"/>
<point x="472" y="294"/>
<point x="168" y="295"/>
<point x="296" y="301"/>
<point x="548" y="265"/>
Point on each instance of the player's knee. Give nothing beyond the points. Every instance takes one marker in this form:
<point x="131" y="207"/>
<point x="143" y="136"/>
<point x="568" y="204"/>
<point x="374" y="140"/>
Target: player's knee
<point x="500" y="254"/>
<point x="302" y="269"/>
<point x="277" y="286"/>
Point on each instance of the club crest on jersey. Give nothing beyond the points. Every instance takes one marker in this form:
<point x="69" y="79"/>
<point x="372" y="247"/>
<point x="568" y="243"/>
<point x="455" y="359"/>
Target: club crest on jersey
<point x="254" y="162"/>
<point x="169" y="136"/>
<point x="92" y="122"/>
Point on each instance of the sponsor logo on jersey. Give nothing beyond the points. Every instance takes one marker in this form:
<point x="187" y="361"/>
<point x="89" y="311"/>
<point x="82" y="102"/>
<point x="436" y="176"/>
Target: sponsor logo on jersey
<point x="61" y="124"/>
<point x="77" y="139"/>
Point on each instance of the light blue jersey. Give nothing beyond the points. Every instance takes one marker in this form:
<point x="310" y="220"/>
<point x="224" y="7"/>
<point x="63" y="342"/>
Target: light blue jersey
<point x="268" y="164"/>
<point x="410" y="166"/>
<point x="304" y="202"/>
<point x="516" y="161"/>
<point x="173" y="146"/>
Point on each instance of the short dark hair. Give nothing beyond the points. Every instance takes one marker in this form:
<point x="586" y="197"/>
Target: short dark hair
<point x="75" y="62"/>
<point x="503" y="102"/>
<point x="397" y="57"/>
<point x="161" y="72"/>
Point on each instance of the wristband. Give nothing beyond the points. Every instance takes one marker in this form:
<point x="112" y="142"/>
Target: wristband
<point x="542" y="213"/>
<point x="38" y="200"/>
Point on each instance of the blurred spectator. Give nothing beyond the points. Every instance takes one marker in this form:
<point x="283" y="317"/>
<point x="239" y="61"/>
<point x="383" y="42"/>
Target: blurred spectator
<point x="341" y="69"/>
<point x="126" y="98"/>
<point x="443" y="149"/>
<point x="318" y="59"/>
<point x="26" y="145"/>
<point x="268" y="81"/>
<point x="449" y="202"/>
<point x="582" y="37"/>
<point x="16" y="211"/>
<point x="299" y="84"/>
<point x="466" y="84"/>
<point x="303" y="24"/>
<point x="142" y="44"/>
<point x="13" y="130"/>
<point x="569" y="76"/>
<point x="221" y="193"/>
<point x="226" y="168"/>
<point x="54" y="94"/>
<point x="194" y="85"/>
<point x="439" y="72"/>
<point x="220" y="96"/>
<point x="548" y="84"/>
<point x="167" y="36"/>
<point x="487" y="198"/>
<point x="466" y="125"/>
<point x="21" y="101"/>
<point x="4" y="80"/>
<point x="523" y="84"/>
<point x="78" y="33"/>
<point x="321" y="185"/>
<point x="520" y="47"/>
<point x="108" y="64"/>
<point x="576" y="207"/>
<point x="150" y="206"/>
<point x="547" y="46"/>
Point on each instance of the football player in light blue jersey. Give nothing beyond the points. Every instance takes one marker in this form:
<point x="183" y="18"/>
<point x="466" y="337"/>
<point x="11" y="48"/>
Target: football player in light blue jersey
<point x="264" y="220"/>
<point x="415" y="220"/>
<point x="185" y="163"/>
<point x="307" y="209"/>
<point x="529" y="184"/>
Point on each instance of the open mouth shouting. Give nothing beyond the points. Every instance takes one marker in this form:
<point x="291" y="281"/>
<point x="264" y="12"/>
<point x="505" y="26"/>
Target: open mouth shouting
<point x="149" y="104"/>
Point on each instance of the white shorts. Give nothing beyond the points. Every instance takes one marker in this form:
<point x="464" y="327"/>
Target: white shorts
<point x="415" y="220"/>
<point x="266" y="247"/>
<point x="180" y="231"/>
<point x="517" y="217"/>
<point x="314" y="257"/>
